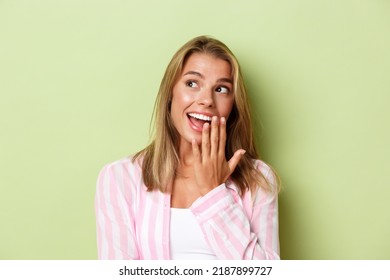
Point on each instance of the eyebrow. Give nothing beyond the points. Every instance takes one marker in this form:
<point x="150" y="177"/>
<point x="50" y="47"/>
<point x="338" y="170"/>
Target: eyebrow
<point x="226" y="80"/>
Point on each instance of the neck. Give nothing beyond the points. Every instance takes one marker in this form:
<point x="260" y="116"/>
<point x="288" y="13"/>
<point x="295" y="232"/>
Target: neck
<point x="186" y="156"/>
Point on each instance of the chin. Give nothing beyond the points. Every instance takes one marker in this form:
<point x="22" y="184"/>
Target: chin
<point x="188" y="138"/>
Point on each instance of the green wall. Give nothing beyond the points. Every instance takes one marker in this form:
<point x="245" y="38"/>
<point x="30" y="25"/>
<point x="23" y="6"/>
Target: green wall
<point x="78" y="81"/>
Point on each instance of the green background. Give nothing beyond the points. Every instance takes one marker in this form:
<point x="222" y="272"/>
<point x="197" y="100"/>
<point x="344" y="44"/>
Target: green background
<point x="78" y="81"/>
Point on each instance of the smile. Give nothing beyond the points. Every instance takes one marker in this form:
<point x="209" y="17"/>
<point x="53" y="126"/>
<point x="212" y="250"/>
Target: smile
<point x="200" y="117"/>
<point x="196" y="121"/>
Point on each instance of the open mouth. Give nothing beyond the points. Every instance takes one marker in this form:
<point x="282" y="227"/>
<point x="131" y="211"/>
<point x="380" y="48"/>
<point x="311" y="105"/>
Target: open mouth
<point x="198" y="120"/>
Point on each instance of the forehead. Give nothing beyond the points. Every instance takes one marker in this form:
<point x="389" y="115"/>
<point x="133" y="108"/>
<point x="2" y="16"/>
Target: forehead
<point x="207" y="64"/>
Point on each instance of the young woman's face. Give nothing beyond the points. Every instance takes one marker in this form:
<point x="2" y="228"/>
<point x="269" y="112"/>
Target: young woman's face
<point x="204" y="89"/>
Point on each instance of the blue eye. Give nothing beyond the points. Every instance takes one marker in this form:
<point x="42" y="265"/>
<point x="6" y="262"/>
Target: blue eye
<point x="222" y="90"/>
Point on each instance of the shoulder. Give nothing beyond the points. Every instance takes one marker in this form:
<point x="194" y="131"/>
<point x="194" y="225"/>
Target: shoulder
<point x="269" y="183"/>
<point x="120" y="174"/>
<point x="124" y="165"/>
<point x="267" y="180"/>
<point x="266" y="171"/>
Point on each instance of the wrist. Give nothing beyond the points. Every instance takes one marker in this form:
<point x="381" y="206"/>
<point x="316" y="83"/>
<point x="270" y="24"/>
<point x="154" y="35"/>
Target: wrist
<point x="205" y="190"/>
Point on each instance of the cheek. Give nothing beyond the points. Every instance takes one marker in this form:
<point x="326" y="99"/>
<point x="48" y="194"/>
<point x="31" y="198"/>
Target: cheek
<point x="175" y="108"/>
<point x="226" y="108"/>
<point x="180" y="99"/>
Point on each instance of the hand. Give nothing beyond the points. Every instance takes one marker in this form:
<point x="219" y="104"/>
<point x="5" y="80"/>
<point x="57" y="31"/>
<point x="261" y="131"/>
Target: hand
<point x="210" y="166"/>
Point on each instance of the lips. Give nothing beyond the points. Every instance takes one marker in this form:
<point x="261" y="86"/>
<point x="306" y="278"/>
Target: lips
<point x="197" y="121"/>
<point x="200" y="116"/>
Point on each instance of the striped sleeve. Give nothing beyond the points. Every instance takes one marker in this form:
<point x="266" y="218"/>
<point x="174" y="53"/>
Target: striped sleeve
<point x="231" y="233"/>
<point x="114" y="214"/>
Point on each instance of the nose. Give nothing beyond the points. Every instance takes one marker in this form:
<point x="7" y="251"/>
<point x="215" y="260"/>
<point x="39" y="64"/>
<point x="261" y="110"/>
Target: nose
<point x="206" y="98"/>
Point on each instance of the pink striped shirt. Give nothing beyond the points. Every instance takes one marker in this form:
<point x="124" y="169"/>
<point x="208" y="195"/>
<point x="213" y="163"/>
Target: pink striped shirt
<point x="134" y="224"/>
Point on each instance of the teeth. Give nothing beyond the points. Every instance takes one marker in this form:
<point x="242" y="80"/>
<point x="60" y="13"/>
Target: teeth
<point x="200" y="117"/>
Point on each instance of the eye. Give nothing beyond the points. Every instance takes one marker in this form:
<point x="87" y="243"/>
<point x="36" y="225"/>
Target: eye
<point x="191" y="84"/>
<point x="222" y="89"/>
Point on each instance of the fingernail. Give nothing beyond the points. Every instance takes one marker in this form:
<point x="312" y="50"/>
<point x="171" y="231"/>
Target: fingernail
<point x="243" y="152"/>
<point x="223" y="120"/>
<point x="215" y="119"/>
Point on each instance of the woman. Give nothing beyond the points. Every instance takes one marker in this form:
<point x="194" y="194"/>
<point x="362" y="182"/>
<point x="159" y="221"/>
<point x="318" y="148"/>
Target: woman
<point x="198" y="191"/>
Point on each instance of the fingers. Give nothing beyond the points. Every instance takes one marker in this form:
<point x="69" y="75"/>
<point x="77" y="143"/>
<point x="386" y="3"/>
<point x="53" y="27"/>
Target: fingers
<point x="214" y="142"/>
<point x="196" y="152"/>
<point x="222" y="138"/>
<point x="233" y="162"/>
<point x="206" y="140"/>
<point x="210" y="164"/>
<point x="210" y="138"/>
<point x="214" y="136"/>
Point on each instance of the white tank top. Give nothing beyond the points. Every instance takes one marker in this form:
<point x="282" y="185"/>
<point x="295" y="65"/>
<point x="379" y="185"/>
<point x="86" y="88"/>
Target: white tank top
<point x="186" y="237"/>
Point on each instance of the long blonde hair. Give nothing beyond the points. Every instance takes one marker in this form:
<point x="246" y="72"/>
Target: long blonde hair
<point x="160" y="158"/>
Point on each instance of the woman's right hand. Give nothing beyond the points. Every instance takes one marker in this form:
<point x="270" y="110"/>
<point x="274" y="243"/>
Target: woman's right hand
<point x="210" y="165"/>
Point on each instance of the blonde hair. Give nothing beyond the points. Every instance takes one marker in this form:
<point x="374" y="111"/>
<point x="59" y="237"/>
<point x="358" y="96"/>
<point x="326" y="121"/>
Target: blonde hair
<point x="160" y="158"/>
